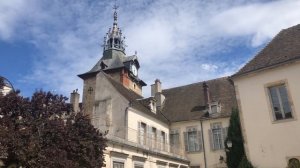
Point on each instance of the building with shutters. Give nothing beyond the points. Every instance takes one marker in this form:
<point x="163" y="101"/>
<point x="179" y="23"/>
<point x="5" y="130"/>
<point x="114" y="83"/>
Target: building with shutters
<point x="268" y="94"/>
<point x="176" y="128"/>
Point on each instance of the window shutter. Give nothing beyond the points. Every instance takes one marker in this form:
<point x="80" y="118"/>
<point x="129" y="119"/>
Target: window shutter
<point x="210" y="133"/>
<point x="139" y="133"/>
<point x="185" y="141"/>
<point x="199" y="137"/>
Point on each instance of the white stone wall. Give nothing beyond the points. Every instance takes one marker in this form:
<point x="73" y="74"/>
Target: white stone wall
<point x="269" y="143"/>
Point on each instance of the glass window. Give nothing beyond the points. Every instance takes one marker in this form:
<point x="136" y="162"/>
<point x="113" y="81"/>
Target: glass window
<point x="142" y="132"/>
<point x="153" y="137"/>
<point x="214" y="109"/>
<point x="163" y="140"/>
<point x="174" y="141"/>
<point x="280" y="102"/>
<point x="193" y="140"/>
<point x="217" y="137"/>
<point x="138" y="165"/>
<point x="118" y="164"/>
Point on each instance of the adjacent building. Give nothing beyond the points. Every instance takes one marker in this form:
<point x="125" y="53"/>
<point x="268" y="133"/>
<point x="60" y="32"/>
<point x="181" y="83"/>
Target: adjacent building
<point x="268" y="96"/>
<point x="175" y="128"/>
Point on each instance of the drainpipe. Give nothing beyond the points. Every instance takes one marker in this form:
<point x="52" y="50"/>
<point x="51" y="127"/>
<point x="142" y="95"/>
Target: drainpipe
<point x="202" y="136"/>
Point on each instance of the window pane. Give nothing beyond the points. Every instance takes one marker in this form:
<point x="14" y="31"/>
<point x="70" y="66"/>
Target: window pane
<point x="285" y="102"/>
<point x="217" y="138"/>
<point x="118" y="164"/>
<point x="192" y="141"/>
<point x="275" y="103"/>
<point x="214" y="109"/>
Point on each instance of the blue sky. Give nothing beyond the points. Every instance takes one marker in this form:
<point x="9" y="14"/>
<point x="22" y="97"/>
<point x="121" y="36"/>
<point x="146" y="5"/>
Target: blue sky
<point x="46" y="44"/>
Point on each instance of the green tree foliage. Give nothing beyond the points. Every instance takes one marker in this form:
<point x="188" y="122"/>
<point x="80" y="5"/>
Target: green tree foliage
<point x="294" y="163"/>
<point x="235" y="154"/>
<point x="245" y="163"/>
<point x="43" y="132"/>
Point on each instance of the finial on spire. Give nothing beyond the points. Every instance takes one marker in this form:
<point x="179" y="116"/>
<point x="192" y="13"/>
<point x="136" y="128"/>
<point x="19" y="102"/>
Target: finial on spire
<point x="115" y="13"/>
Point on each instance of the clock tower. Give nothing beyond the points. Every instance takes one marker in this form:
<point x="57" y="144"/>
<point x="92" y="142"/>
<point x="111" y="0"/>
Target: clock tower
<point x="115" y="62"/>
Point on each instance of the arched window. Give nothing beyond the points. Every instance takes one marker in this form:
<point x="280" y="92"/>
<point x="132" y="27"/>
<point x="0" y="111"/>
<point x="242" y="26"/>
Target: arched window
<point x="294" y="163"/>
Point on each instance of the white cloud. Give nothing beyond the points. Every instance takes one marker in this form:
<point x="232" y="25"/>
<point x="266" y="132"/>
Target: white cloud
<point x="262" y="21"/>
<point x="177" y="41"/>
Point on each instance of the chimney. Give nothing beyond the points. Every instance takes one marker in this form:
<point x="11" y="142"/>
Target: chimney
<point x="156" y="93"/>
<point x="156" y="87"/>
<point x="206" y="93"/>
<point x="74" y="100"/>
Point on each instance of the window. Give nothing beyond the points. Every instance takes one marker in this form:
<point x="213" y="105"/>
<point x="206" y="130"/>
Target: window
<point x="174" y="141"/>
<point x="138" y="165"/>
<point x="193" y="140"/>
<point x="142" y="133"/>
<point x="280" y="103"/>
<point x="163" y="140"/>
<point x="117" y="164"/>
<point x="217" y="136"/>
<point x="214" y="109"/>
<point x="153" y="137"/>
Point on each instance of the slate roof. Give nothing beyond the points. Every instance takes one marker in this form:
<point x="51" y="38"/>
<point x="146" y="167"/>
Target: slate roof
<point x="284" y="48"/>
<point x="112" y="59"/>
<point x="134" y="99"/>
<point x="188" y="103"/>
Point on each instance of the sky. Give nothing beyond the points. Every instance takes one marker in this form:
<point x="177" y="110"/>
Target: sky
<point x="46" y="44"/>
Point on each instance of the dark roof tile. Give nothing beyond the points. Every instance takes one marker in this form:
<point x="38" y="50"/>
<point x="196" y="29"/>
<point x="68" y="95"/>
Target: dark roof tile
<point x="188" y="103"/>
<point x="284" y="47"/>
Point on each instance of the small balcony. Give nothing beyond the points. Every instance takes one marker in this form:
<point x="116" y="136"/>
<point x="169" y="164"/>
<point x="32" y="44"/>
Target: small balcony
<point x="145" y="141"/>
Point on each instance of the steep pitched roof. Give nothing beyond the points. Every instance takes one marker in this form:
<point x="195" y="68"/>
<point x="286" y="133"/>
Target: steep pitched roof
<point x="134" y="98"/>
<point x="111" y="59"/>
<point x="285" y="47"/>
<point x="188" y="102"/>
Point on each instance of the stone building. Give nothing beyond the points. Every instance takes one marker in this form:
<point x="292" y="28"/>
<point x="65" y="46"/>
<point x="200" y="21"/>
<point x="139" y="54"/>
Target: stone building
<point x="268" y="94"/>
<point x="177" y="127"/>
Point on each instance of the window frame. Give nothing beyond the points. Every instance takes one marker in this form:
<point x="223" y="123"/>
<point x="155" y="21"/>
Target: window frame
<point x="270" y="103"/>
<point x="118" y="160"/>
<point x="198" y="144"/>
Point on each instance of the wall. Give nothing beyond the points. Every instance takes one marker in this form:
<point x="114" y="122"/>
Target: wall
<point x="269" y="144"/>
<point x="197" y="158"/>
<point x="109" y="106"/>
<point x="88" y="98"/>
<point x="133" y="155"/>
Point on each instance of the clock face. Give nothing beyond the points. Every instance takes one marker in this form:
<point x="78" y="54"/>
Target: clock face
<point x="134" y="70"/>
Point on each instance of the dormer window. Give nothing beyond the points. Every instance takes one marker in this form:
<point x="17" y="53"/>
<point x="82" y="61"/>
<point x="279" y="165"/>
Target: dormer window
<point x="152" y="106"/>
<point x="214" y="108"/>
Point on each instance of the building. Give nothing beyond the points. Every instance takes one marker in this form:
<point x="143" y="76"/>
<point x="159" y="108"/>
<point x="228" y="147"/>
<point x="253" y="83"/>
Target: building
<point x="268" y="96"/>
<point x="176" y="128"/>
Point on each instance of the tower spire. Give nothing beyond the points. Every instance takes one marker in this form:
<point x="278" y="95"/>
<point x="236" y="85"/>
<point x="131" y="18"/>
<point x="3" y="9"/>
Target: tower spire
<point x="115" y="7"/>
<point x="114" y="38"/>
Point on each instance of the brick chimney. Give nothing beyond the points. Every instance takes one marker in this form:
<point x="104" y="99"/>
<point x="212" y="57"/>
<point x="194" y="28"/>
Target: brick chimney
<point x="74" y="100"/>
<point x="207" y="99"/>
<point x="156" y="93"/>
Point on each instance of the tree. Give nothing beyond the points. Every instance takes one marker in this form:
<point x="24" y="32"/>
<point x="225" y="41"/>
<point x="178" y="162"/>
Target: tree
<point x="43" y="132"/>
<point x="234" y="154"/>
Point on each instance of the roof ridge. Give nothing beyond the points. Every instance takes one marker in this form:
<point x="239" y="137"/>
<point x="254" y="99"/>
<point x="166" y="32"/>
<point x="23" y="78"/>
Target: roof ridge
<point x="225" y="77"/>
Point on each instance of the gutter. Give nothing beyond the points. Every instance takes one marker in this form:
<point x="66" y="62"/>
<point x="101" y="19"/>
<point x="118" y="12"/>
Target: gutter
<point x="202" y="136"/>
